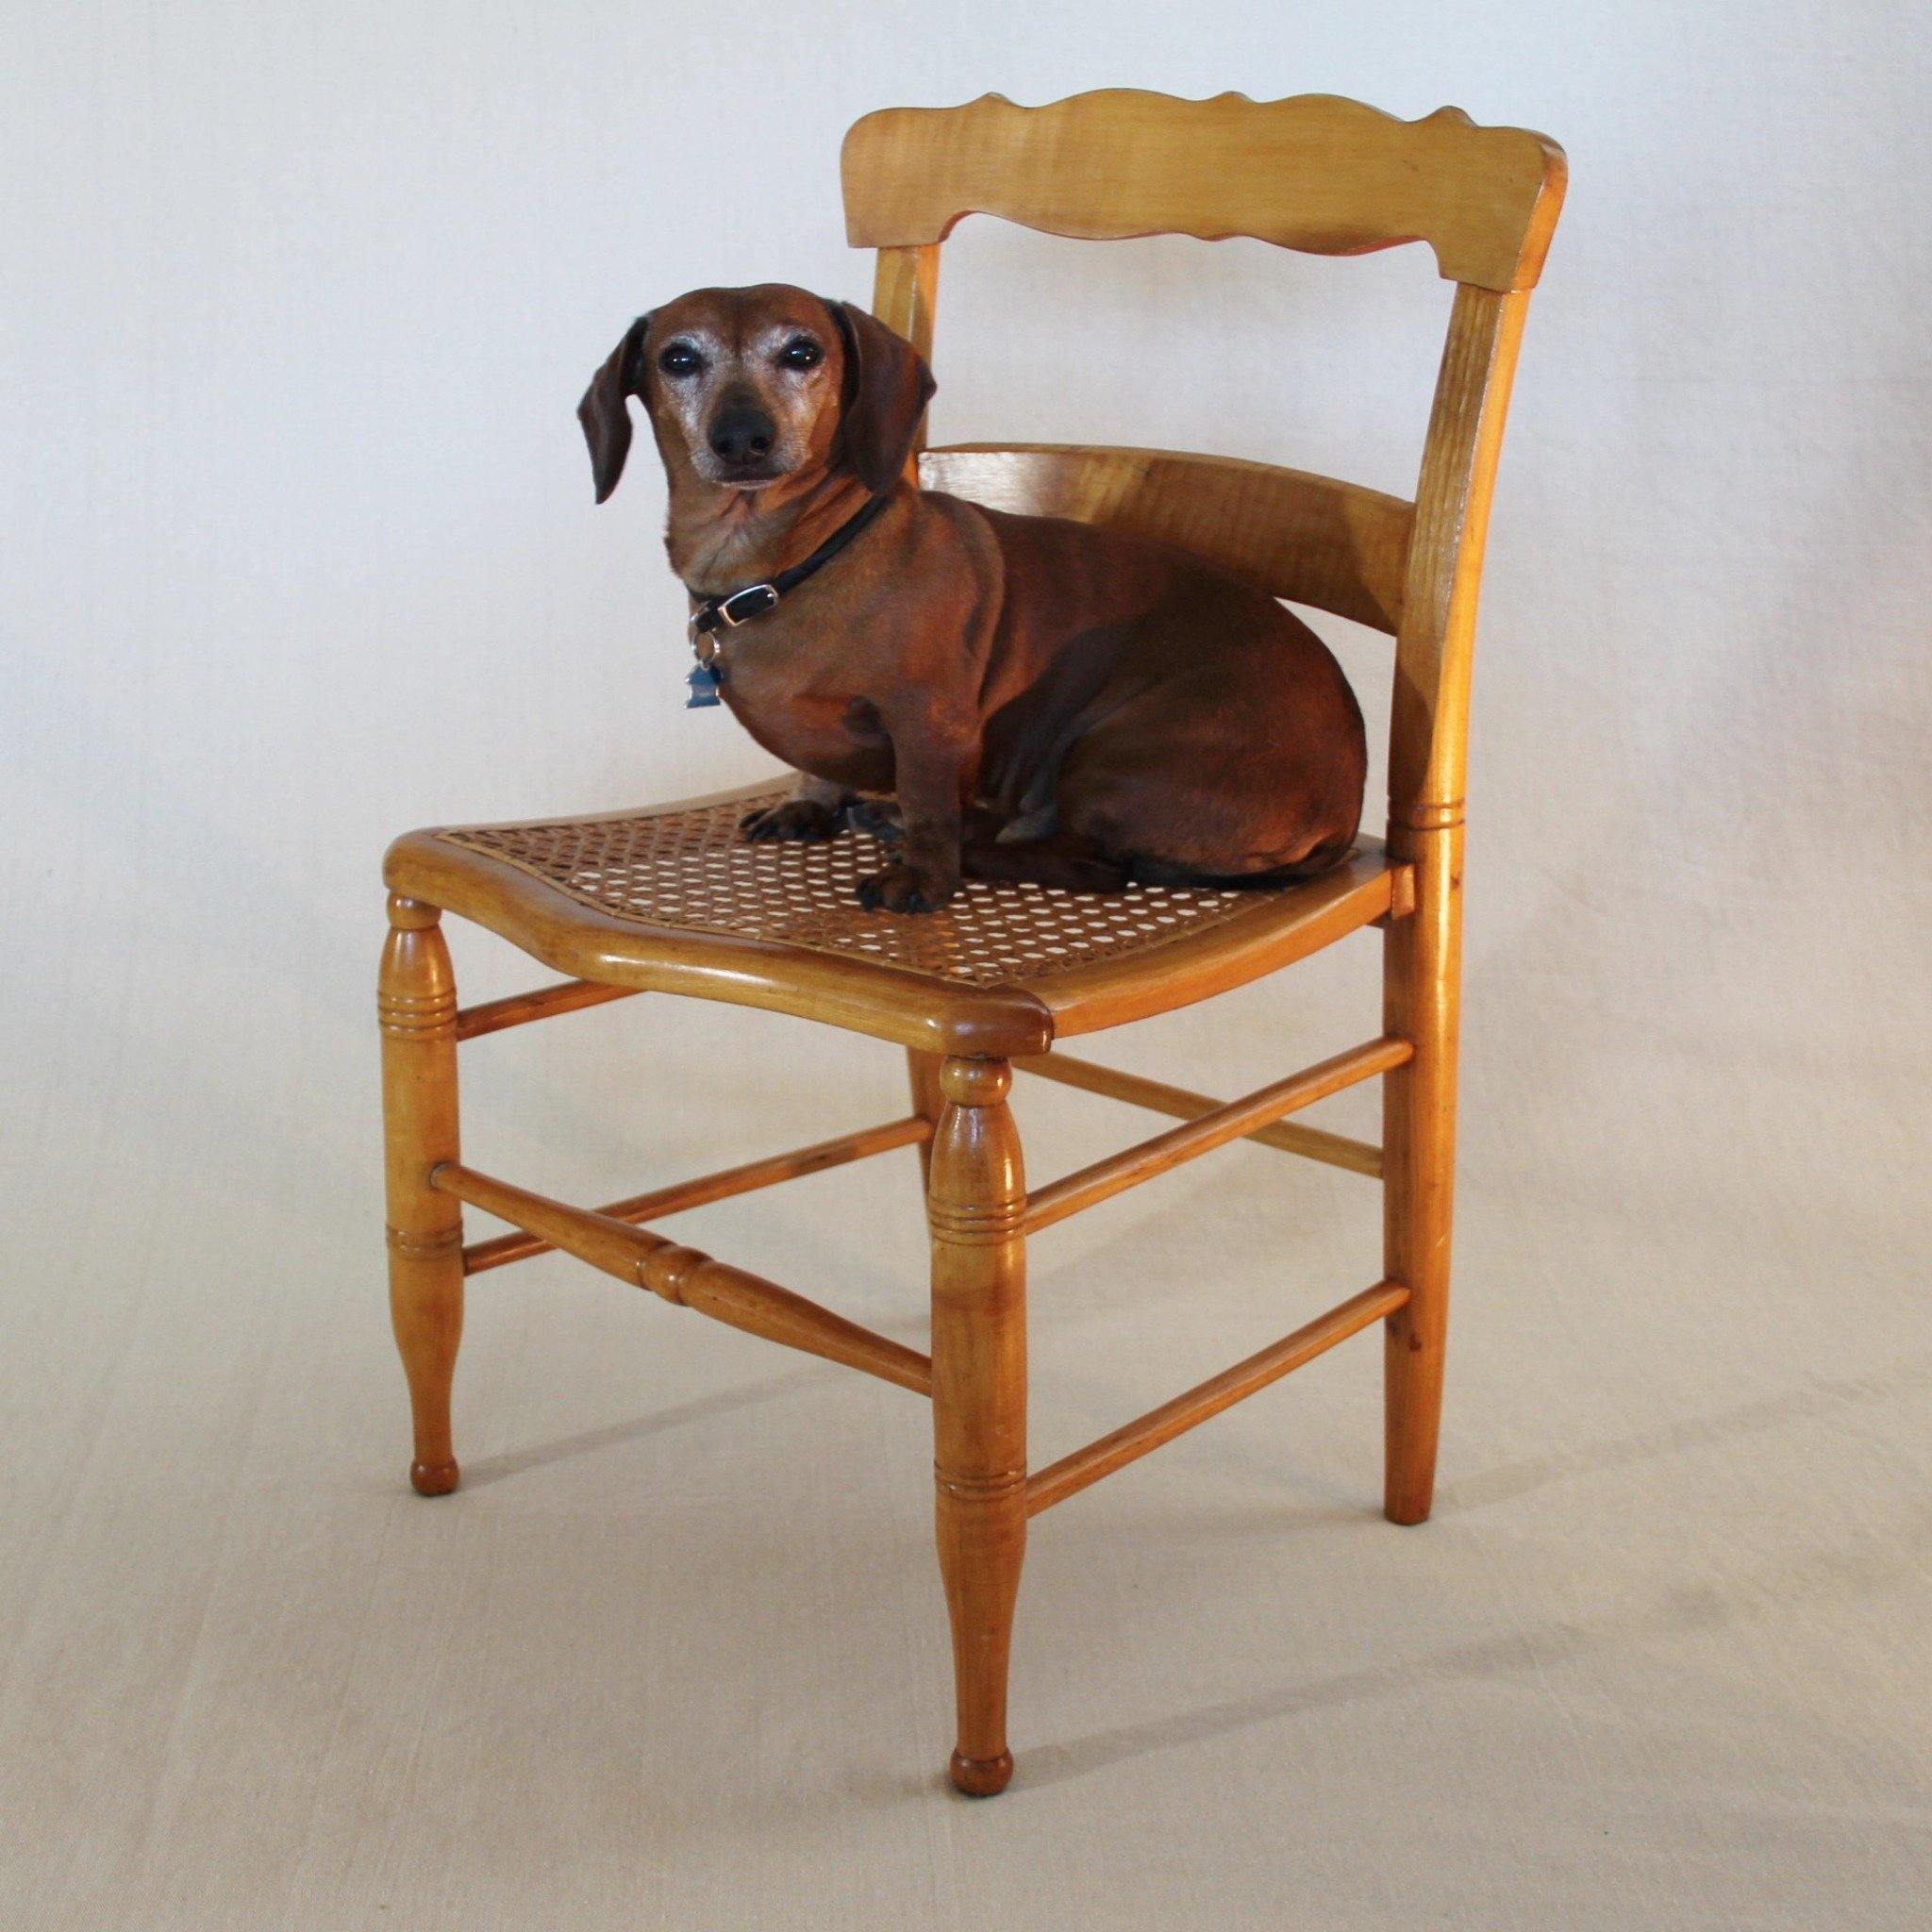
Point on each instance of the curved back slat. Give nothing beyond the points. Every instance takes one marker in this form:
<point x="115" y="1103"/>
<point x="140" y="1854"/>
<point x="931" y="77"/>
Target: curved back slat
<point x="1310" y="540"/>
<point x="1315" y="173"/>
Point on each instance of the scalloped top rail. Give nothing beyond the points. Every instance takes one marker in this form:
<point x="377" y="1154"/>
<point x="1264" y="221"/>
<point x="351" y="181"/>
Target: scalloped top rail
<point x="1315" y="173"/>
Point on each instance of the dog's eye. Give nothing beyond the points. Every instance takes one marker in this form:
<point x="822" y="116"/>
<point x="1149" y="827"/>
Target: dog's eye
<point x="680" y="359"/>
<point x="801" y="352"/>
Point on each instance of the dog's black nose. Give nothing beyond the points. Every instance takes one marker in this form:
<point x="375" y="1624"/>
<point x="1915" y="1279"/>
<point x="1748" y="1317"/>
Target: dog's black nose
<point x="741" y="436"/>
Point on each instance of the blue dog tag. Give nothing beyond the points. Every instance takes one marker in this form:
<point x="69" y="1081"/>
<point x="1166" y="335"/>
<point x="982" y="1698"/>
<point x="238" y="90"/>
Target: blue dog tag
<point x="704" y="683"/>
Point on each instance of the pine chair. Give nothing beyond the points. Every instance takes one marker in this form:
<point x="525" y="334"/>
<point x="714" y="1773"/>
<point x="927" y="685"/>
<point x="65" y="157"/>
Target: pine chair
<point x="667" y="900"/>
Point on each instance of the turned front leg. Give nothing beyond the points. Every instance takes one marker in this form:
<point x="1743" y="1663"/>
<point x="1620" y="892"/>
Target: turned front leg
<point x="977" y="1197"/>
<point x="416" y="1005"/>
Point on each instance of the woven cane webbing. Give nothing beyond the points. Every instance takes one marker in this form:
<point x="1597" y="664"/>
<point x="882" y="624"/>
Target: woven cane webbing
<point x="685" y="866"/>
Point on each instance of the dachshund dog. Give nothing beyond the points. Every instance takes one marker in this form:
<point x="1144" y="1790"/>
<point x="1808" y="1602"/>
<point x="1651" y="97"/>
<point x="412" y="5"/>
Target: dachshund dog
<point x="1044" y="700"/>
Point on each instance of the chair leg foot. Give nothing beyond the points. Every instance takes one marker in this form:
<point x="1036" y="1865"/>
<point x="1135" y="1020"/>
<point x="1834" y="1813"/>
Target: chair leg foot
<point x="979" y="1402"/>
<point x="981" y="1777"/>
<point x="434" y="1478"/>
<point x="426" y="1303"/>
<point x="416" y="1005"/>
<point x="1406" y="1511"/>
<point x="426" y="1307"/>
<point x="1412" y="1383"/>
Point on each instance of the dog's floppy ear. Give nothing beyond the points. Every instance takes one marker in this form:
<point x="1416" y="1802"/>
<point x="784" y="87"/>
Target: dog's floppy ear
<point x="602" y="411"/>
<point x="887" y="388"/>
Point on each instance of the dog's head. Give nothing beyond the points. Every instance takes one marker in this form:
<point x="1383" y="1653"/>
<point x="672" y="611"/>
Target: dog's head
<point x="745" y="386"/>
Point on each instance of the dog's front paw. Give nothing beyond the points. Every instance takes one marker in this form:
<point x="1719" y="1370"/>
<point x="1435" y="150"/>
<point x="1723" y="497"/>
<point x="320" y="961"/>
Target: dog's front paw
<point x="800" y="819"/>
<point x="902" y="887"/>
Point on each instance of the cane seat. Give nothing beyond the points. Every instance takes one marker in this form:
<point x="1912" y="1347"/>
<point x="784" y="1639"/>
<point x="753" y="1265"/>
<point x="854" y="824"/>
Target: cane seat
<point x="671" y="898"/>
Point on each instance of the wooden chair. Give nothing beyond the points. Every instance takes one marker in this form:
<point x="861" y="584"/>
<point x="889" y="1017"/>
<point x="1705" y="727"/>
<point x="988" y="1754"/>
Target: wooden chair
<point x="668" y="900"/>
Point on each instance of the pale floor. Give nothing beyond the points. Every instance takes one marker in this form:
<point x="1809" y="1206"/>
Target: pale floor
<point x="676" y="1656"/>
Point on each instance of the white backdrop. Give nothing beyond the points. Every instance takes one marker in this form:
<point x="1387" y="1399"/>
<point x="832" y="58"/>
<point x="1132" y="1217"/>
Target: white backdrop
<point x="299" y="550"/>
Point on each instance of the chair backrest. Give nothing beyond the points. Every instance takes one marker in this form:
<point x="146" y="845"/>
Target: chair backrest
<point x="1315" y="173"/>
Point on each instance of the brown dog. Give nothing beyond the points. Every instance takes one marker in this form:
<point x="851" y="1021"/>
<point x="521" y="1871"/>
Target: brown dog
<point x="1045" y="699"/>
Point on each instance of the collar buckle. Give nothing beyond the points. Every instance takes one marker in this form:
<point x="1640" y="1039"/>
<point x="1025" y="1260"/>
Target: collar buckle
<point x="743" y="606"/>
<point x="717" y="614"/>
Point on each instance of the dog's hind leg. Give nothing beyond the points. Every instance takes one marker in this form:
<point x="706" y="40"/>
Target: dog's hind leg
<point x="1061" y="859"/>
<point x="1324" y="857"/>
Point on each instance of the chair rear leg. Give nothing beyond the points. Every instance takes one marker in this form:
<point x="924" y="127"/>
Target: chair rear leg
<point x="975" y="1205"/>
<point x="1421" y="997"/>
<point x="416" y="1005"/>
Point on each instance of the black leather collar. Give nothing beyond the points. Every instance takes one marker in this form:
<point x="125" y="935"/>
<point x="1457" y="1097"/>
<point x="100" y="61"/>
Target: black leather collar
<point x="715" y="614"/>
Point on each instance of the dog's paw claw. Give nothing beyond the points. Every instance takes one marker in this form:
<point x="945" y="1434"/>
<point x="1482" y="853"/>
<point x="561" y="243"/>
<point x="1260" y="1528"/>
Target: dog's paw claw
<point x="903" y="889"/>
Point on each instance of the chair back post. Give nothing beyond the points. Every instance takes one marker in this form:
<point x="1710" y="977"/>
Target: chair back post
<point x="1429" y="748"/>
<point x="1435" y="644"/>
<point x="903" y="290"/>
<point x="905" y="287"/>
